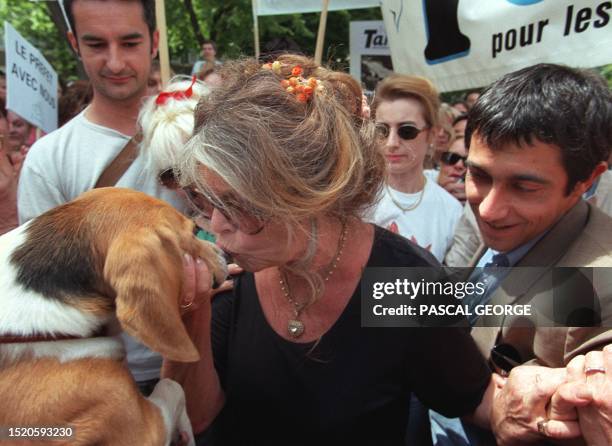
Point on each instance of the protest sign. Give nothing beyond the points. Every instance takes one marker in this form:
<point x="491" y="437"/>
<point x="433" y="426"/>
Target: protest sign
<point x="470" y="43"/>
<point x="370" y="53"/>
<point x="31" y="82"/>
<point x="273" y="7"/>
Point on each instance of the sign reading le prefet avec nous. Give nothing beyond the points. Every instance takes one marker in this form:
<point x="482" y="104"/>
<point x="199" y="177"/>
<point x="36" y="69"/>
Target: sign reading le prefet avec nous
<point x="30" y="80"/>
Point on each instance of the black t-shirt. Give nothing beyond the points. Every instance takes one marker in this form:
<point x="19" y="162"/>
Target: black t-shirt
<point x="353" y="386"/>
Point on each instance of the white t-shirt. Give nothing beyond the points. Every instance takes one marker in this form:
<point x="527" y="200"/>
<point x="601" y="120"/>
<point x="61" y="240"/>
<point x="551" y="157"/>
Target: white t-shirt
<point x="67" y="162"/>
<point x="430" y="225"/>
<point x="200" y="63"/>
<point x="432" y="174"/>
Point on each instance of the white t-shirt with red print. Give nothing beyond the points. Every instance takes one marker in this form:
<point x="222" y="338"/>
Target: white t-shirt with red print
<point x="430" y="225"/>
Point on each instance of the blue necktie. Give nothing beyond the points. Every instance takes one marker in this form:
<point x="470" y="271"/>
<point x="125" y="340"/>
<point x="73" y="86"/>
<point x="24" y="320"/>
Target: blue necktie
<point x="497" y="261"/>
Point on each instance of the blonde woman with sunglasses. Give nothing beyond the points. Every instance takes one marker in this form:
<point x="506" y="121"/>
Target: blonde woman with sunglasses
<point x="405" y="110"/>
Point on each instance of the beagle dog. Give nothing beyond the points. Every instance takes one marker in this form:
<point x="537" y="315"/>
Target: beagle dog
<point x="110" y="255"/>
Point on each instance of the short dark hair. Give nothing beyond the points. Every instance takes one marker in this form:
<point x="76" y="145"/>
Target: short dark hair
<point x="209" y="42"/>
<point x="554" y="104"/>
<point x="148" y="9"/>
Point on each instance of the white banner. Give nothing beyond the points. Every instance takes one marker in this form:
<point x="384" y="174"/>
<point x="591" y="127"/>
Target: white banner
<point x="274" y="7"/>
<point x="31" y="82"/>
<point x="370" y="53"/>
<point x="461" y="44"/>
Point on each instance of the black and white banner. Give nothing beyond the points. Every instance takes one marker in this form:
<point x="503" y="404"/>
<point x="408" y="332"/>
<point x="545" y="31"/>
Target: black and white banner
<point x="273" y="7"/>
<point x="370" y="54"/>
<point x="461" y="44"/>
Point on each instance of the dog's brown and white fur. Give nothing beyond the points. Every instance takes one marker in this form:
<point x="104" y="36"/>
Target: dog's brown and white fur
<point x="111" y="253"/>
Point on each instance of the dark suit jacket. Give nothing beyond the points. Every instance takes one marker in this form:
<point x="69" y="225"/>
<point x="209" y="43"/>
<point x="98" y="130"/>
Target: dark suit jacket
<point x="583" y="237"/>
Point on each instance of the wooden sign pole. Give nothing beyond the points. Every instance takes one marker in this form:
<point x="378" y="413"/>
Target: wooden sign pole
<point x="321" y="33"/>
<point x="164" y="59"/>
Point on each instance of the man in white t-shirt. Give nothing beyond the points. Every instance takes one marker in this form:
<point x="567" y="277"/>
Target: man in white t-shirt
<point x="116" y="41"/>
<point x="209" y="54"/>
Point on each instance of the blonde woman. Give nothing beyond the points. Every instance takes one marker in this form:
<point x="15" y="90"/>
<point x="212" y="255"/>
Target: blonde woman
<point x="444" y="136"/>
<point x="406" y="113"/>
<point x="283" y="174"/>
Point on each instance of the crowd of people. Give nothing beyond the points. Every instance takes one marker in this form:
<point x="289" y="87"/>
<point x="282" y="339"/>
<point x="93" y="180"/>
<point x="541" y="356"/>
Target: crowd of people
<point x="305" y="184"/>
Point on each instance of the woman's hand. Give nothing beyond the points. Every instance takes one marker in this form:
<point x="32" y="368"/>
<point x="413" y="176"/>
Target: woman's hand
<point x="197" y="283"/>
<point x="203" y="393"/>
<point x="453" y="186"/>
<point x="233" y="270"/>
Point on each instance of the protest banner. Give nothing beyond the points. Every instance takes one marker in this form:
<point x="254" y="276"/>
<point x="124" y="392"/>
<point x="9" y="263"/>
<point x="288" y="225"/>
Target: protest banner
<point x="31" y="82"/>
<point x="370" y="53"/>
<point x="274" y="7"/>
<point x="470" y="43"/>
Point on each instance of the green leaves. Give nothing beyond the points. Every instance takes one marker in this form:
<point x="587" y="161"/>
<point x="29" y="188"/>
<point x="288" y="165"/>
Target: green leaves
<point x="228" y="22"/>
<point x="33" y="22"/>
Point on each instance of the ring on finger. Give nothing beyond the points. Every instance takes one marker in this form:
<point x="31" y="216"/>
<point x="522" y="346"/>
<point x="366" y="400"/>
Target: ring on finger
<point x="598" y="369"/>
<point x="542" y="425"/>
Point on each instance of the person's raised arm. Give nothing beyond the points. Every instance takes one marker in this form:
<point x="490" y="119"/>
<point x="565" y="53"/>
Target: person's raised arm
<point x="203" y="392"/>
<point x="9" y="176"/>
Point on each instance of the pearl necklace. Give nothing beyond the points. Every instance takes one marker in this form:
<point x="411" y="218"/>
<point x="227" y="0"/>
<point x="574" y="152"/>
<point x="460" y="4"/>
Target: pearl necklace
<point x="295" y="326"/>
<point x="413" y="205"/>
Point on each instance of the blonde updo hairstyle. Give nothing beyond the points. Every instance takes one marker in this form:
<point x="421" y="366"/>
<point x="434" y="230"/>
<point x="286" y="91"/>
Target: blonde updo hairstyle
<point x="167" y="127"/>
<point x="400" y="86"/>
<point x="292" y="161"/>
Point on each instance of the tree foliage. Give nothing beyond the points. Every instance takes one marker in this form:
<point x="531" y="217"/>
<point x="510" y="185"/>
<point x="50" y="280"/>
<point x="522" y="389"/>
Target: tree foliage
<point x="32" y="21"/>
<point x="606" y="71"/>
<point x="229" y="23"/>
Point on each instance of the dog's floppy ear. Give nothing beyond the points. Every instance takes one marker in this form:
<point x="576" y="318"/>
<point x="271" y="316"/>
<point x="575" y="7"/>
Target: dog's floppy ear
<point x="145" y="269"/>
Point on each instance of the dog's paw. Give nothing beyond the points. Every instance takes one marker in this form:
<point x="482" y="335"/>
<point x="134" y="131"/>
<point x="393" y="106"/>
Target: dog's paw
<point x="168" y="395"/>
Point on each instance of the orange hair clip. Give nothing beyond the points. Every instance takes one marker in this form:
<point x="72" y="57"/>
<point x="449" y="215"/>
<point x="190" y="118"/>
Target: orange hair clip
<point x="296" y="84"/>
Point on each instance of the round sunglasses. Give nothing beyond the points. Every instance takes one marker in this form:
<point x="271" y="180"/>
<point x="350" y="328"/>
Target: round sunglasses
<point x="203" y="207"/>
<point x="404" y="131"/>
<point x="450" y="159"/>
<point x="240" y="218"/>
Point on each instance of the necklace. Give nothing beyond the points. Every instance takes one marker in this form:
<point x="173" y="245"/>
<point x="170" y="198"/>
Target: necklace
<point x="413" y="205"/>
<point x="295" y="326"/>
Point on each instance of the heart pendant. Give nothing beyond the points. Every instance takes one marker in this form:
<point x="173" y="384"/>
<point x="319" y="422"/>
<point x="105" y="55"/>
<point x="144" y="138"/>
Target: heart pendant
<point x="295" y="328"/>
